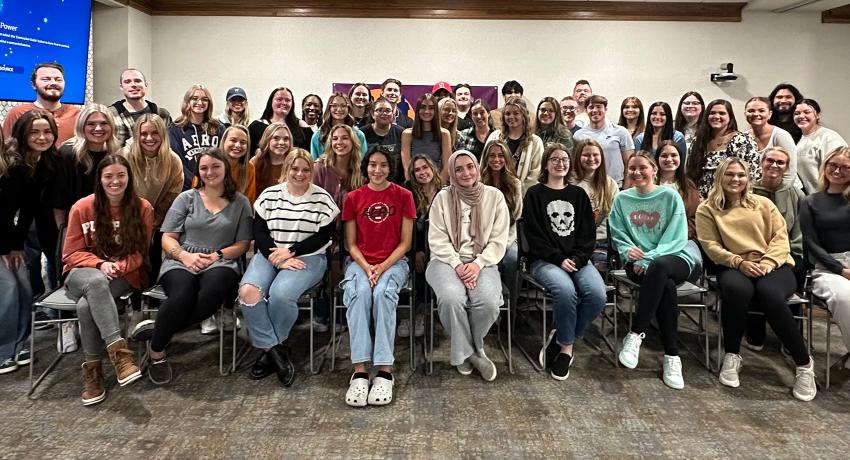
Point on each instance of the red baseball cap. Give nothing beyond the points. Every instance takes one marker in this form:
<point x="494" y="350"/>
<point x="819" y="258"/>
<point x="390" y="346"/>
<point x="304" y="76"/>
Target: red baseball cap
<point x="442" y="85"/>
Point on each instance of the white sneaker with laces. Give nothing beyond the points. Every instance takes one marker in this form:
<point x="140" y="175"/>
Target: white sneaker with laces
<point x="673" y="372"/>
<point x="631" y="349"/>
<point x="403" y="329"/>
<point x="419" y="326"/>
<point x="730" y="369"/>
<point x="805" y="387"/>
<point x="209" y="325"/>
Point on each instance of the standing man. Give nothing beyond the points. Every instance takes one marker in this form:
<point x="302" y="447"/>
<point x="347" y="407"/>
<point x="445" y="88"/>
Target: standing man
<point x="510" y="89"/>
<point x="581" y="93"/>
<point x="617" y="145"/>
<point x="125" y="112"/>
<point x="48" y="81"/>
<point x="463" y="97"/>
<point x="391" y="90"/>
<point x="784" y="98"/>
<point x="568" y="110"/>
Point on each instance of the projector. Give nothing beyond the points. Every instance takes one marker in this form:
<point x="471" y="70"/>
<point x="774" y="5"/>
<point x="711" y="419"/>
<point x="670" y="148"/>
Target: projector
<point x="727" y="73"/>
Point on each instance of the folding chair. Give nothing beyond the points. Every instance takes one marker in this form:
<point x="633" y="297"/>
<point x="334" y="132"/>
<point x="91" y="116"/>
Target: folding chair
<point x="58" y="300"/>
<point x="539" y="298"/>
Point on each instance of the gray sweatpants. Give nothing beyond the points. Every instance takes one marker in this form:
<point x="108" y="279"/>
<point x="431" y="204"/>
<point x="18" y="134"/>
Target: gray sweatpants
<point x="95" y="296"/>
<point x="835" y="291"/>
<point x="466" y="329"/>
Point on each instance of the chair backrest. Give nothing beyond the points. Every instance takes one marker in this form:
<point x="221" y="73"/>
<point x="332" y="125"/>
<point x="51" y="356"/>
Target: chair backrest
<point x="60" y="246"/>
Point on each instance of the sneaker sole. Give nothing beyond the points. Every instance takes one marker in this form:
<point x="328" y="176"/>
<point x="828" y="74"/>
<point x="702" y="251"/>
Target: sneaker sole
<point x="130" y="378"/>
<point x="672" y="385"/>
<point x="804" y="398"/>
<point x="143" y="331"/>
<point x="9" y="369"/>
<point x="23" y="362"/>
<point x="565" y="377"/>
<point x="625" y="364"/>
<point x="95" y="400"/>
<point x="729" y="383"/>
<point x="464" y="372"/>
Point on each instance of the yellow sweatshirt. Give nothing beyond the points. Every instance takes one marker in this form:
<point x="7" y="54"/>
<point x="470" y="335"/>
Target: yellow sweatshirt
<point x="731" y="236"/>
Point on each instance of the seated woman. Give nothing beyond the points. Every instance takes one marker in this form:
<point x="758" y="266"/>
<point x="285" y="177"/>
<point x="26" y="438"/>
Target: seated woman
<point x="745" y="234"/>
<point x="650" y="232"/>
<point x="775" y="187"/>
<point x="589" y="173"/>
<point x="467" y="237"/>
<point x="235" y="144"/>
<point x="424" y="185"/>
<point x="18" y="204"/>
<point x="498" y="171"/>
<point x="825" y="220"/>
<point x="378" y="231"/>
<point x="561" y="234"/>
<point x="98" y="269"/>
<point x="206" y="231"/>
<point x="293" y="224"/>
<point x="671" y="173"/>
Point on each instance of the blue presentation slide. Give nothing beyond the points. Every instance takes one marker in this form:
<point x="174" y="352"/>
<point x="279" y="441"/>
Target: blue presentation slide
<point x="34" y="31"/>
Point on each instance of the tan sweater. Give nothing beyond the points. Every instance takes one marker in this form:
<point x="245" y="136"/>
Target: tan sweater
<point x="731" y="236"/>
<point x="495" y="214"/>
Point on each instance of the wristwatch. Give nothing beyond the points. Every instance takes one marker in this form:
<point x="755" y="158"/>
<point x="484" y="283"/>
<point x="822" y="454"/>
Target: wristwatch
<point x="220" y="254"/>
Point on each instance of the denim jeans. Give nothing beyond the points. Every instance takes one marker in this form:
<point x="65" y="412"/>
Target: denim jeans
<point x="96" y="310"/>
<point x="365" y="303"/>
<point x="509" y="265"/>
<point x="466" y="329"/>
<point x="270" y="320"/>
<point x="577" y="298"/>
<point x="15" y="308"/>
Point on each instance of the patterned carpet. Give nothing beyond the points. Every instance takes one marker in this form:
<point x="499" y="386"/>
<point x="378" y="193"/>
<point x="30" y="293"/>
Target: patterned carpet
<point x="599" y="412"/>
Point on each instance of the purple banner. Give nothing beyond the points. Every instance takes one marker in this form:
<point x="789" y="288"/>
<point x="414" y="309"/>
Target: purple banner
<point x="410" y="93"/>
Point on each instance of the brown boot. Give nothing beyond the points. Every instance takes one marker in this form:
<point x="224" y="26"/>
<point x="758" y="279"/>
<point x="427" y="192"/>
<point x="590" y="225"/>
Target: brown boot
<point x="123" y="361"/>
<point x="93" y="391"/>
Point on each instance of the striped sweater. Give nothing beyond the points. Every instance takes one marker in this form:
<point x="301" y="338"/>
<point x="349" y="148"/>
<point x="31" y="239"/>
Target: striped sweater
<point x="303" y="224"/>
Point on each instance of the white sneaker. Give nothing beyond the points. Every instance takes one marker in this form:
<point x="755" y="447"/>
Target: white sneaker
<point x="403" y="329"/>
<point x="730" y="369"/>
<point x="631" y="349"/>
<point x="805" y="387"/>
<point x="673" y="372"/>
<point x="227" y="321"/>
<point x="209" y="325"/>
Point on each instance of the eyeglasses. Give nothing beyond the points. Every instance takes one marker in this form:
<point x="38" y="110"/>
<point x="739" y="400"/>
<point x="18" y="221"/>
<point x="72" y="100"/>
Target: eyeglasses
<point x="545" y="110"/>
<point x="199" y="99"/>
<point x="559" y="161"/>
<point x="569" y="109"/>
<point x="771" y="161"/>
<point x="832" y="167"/>
<point x="384" y="111"/>
<point x="691" y="103"/>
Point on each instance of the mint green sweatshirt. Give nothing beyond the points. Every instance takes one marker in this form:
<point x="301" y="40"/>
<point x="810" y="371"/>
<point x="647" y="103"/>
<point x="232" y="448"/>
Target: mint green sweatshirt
<point x="654" y="222"/>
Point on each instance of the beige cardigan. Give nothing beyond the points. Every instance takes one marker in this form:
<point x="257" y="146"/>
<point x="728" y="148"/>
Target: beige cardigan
<point x="528" y="168"/>
<point x="496" y="216"/>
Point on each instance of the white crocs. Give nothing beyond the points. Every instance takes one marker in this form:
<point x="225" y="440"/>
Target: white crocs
<point x="381" y="393"/>
<point x="358" y="389"/>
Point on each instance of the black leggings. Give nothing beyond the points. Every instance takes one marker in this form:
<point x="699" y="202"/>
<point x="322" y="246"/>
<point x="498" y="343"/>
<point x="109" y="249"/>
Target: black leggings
<point x="658" y="298"/>
<point x="191" y="298"/>
<point x="757" y="324"/>
<point x="770" y="293"/>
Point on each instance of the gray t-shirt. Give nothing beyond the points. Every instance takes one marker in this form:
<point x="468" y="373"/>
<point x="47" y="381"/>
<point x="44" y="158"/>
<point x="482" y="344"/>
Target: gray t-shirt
<point x="614" y="140"/>
<point x="203" y="232"/>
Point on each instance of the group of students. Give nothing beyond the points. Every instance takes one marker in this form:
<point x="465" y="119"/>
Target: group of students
<point x="372" y="207"/>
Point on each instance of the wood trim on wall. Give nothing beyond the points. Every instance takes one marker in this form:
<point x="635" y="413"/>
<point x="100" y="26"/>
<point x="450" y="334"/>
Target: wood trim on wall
<point x="839" y="15"/>
<point x="443" y="9"/>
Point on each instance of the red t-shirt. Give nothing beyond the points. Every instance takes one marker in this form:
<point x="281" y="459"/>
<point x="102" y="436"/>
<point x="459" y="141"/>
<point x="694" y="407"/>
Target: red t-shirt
<point x="378" y="216"/>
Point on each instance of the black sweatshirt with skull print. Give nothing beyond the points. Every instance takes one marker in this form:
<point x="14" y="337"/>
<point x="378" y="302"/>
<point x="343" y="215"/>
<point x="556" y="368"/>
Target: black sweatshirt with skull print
<point x="558" y="225"/>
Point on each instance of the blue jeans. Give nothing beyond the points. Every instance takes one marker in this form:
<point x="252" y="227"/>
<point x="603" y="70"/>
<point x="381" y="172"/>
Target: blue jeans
<point x="364" y="303"/>
<point x="15" y="308"/>
<point x="270" y="320"/>
<point x="509" y="265"/>
<point x="578" y="298"/>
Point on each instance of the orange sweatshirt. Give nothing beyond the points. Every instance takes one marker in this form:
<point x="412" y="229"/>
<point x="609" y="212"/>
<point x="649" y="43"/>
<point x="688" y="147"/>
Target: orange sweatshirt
<point x="77" y="250"/>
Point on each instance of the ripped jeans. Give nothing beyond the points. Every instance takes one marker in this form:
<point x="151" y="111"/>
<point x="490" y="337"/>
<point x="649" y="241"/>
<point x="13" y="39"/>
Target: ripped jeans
<point x="270" y="320"/>
<point x="365" y="304"/>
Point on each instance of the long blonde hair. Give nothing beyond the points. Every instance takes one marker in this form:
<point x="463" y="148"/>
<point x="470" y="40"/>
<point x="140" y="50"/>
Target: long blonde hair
<point x="529" y="131"/>
<point x="602" y="190"/>
<point x="79" y="145"/>
<point x="262" y="158"/>
<point x="136" y="157"/>
<point x="716" y="196"/>
<point x="423" y="201"/>
<point x="823" y="184"/>
<point x="452" y="128"/>
<point x="209" y="124"/>
<point x="353" y="179"/>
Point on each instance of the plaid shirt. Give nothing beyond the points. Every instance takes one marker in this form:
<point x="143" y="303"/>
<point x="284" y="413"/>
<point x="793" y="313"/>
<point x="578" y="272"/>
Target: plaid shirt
<point x="466" y="140"/>
<point x="125" y="121"/>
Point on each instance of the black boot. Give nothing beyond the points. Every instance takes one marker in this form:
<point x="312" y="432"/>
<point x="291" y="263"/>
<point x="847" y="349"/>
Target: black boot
<point x="262" y="368"/>
<point x="282" y="365"/>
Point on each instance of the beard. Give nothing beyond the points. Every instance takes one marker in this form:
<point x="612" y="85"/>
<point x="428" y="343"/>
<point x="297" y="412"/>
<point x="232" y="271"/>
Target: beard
<point x="49" y="96"/>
